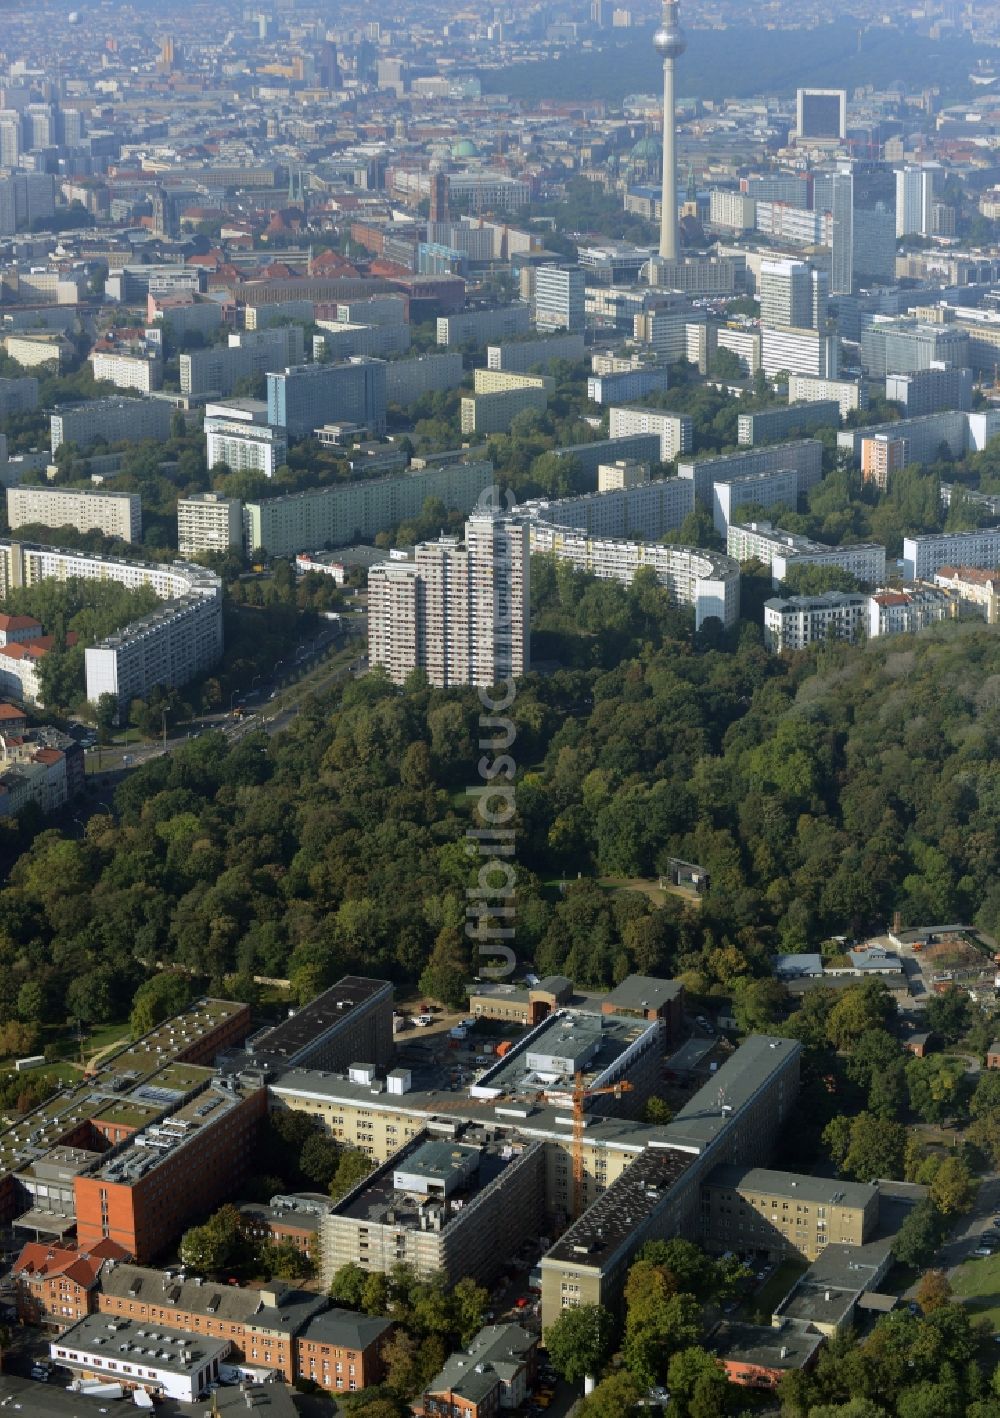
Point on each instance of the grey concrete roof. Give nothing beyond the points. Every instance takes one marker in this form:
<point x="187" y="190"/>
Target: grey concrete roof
<point x="150" y="1344"/>
<point x="494" y="1356"/>
<point x="52" y="1401"/>
<point x="206" y="1297"/>
<point x="825" y="1191"/>
<point x="790" y="1347"/>
<point x="702" y="1118"/>
<point x="345" y="1329"/>
<point x="644" y="992"/>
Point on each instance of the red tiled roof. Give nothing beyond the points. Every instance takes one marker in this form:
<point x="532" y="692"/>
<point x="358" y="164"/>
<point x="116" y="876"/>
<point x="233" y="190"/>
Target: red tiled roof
<point x="18" y="622"/>
<point x="80" y="1266"/>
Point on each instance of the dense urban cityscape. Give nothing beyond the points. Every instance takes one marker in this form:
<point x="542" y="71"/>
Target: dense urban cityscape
<point x="500" y="709"/>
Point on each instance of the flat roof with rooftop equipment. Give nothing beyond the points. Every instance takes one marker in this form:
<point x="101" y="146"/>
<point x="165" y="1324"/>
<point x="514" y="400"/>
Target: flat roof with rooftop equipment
<point x="546" y="1060"/>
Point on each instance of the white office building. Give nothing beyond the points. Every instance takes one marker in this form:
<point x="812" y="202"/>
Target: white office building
<point x="915" y="200"/>
<point x="209" y="522"/>
<point x="459" y="611"/>
<point x="799" y="351"/>
<point x="559" y="298"/>
<point x="171" y="1363"/>
<point x="675" y="431"/>
<point x="113" y="514"/>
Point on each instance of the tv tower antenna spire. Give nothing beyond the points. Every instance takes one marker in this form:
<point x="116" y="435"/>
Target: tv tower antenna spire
<point x="669" y="41"/>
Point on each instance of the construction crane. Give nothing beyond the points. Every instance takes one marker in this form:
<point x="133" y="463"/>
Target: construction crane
<point x="580" y="1095"/>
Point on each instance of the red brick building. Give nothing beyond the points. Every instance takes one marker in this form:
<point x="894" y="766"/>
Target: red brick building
<point x="261" y="1325"/>
<point x="645" y="997"/>
<point x="342" y="1351"/>
<point x="54" y="1286"/>
<point x="162" y="1178"/>
<point x="292" y="1221"/>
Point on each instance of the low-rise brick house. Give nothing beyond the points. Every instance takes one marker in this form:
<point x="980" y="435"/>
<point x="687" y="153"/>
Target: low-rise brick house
<point x="54" y="1286"/>
<point x="759" y="1356"/>
<point x="342" y="1351"/>
<point x="288" y="1220"/>
<point x="993" y="1055"/>
<point x="497" y="1371"/>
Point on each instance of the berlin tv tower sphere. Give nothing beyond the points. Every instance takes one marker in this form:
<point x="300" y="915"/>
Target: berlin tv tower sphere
<point x="669" y="39"/>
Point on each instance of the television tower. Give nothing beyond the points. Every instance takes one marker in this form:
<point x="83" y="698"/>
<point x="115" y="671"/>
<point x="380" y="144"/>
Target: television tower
<point x="670" y="42"/>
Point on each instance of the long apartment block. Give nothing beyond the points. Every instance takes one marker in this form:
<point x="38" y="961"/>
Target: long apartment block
<point x="805" y="456"/>
<point x="704" y="580"/>
<point x="172" y="645"/>
<point x="782" y="550"/>
<point x="960" y="431"/>
<point x="115" y="420"/>
<point x="926" y="554"/>
<point x="336" y="516"/>
<point x="249" y="354"/>
<point x="113" y="514"/>
<point x="645" y="510"/>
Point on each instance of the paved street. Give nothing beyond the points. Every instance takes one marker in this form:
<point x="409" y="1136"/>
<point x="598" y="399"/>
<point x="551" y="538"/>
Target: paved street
<point x="272" y="708"/>
<point x="962" y="1243"/>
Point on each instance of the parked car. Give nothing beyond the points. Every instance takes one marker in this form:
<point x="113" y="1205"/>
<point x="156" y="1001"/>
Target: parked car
<point x="984" y="1250"/>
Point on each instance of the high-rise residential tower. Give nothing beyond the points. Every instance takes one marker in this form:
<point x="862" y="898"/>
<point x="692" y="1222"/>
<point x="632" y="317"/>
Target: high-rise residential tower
<point x="670" y="42"/>
<point x="457" y="611"/>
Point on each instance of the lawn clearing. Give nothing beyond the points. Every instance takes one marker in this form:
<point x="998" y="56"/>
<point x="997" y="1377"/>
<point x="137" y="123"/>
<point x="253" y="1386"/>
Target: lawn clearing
<point x="977" y="1282"/>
